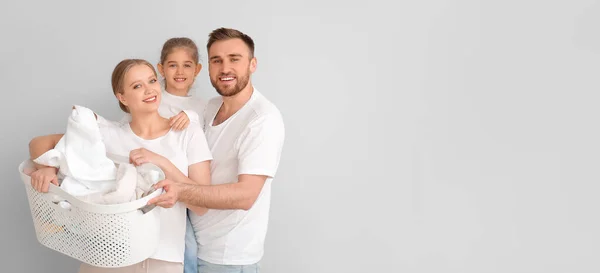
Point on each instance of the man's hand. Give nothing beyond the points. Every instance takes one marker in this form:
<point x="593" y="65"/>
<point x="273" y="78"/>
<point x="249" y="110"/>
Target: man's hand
<point x="171" y="195"/>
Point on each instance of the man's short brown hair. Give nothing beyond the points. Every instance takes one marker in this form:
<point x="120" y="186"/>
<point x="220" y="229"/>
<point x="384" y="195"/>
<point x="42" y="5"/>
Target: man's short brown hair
<point x="221" y="34"/>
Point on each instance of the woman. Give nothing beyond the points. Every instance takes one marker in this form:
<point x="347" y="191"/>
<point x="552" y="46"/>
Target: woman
<point x="148" y="138"/>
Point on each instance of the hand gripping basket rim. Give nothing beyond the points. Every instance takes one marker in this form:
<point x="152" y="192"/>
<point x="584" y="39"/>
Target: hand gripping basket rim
<point x="60" y="195"/>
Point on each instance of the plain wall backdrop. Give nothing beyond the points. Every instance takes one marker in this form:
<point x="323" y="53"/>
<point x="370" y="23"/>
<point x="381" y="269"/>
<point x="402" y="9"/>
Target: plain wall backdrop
<point x="421" y="136"/>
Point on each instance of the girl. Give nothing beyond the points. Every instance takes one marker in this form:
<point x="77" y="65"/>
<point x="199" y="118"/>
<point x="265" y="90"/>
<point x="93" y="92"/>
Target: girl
<point x="177" y="153"/>
<point x="179" y="65"/>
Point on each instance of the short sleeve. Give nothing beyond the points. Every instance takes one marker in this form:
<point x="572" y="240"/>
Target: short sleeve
<point x="194" y="117"/>
<point x="197" y="147"/>
<point x="260" y="146"/>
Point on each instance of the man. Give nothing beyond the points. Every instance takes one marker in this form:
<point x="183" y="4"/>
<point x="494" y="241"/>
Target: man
<point x="245" y="133"/>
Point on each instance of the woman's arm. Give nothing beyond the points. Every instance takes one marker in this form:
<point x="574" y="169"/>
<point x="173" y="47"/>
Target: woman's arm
<point x="199" y="173"/>
<point x="43" y="175"/>
<point x="40" y="145"/>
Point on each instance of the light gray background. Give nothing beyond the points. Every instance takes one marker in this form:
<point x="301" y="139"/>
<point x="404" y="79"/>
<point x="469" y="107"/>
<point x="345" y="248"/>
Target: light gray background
<point x="422" y="136"/>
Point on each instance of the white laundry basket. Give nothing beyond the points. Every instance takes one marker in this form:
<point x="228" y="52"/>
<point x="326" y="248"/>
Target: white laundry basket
<point x="100" y="235"/>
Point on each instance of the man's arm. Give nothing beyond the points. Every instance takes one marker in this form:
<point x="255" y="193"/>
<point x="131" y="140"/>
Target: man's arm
<point x="199" y="174"/>
<point x="240" y="195"/>
<point x="258" y="157"/>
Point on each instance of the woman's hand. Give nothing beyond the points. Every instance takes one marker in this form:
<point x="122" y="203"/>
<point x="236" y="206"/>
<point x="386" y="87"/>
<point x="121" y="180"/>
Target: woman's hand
<point x="140" y="156"/>
<point x="41" y="178"/>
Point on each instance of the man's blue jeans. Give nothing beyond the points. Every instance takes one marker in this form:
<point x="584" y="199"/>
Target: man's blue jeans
<point x="190" y="258"/>
<point x="206" y="267"/>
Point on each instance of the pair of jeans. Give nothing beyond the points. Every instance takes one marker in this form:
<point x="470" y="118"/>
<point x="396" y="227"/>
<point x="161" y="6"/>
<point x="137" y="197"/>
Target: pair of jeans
<point x="206" y="267"/>
<point x="190" y="256"/>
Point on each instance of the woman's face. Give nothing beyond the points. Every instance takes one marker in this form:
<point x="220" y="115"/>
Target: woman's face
<point x="141" y="90"/>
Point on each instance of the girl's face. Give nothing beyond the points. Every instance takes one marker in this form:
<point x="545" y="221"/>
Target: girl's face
<point x="179" y="70"/>
<point x="141" y="90"/>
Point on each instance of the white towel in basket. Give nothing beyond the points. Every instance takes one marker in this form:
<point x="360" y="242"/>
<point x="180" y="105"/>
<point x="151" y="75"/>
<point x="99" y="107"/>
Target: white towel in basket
<point x="87" y="172"/>
<point x="130" y="185"/>
<point x="81" y="157"/>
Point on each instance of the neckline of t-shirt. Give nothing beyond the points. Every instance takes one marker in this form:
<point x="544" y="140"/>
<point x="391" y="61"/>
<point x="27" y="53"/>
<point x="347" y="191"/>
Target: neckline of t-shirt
<point x="174" y="97"/>
<point x="212" y="120"/>
<point x="130" y="131"/>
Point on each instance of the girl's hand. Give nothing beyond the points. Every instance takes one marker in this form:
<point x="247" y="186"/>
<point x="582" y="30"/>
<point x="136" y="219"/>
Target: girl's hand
<point x="179" y="121"/>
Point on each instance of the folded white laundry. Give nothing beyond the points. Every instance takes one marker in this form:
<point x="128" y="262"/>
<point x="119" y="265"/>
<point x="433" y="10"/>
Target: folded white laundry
<point x="132" y="182"/>
<point x="87" y="172"/>
<point x="147" y="174"/>
<point x="81" y="157"/>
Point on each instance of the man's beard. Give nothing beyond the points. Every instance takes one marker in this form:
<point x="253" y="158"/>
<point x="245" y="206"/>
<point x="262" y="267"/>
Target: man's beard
<point x="233" y="90"/>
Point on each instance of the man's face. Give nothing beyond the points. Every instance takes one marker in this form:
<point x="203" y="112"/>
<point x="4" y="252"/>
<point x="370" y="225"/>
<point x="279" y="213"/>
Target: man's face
<point x="230" y="66"/>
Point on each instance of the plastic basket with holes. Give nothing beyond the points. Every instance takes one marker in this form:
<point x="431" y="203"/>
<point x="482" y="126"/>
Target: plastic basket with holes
<point x="100" y="235"/>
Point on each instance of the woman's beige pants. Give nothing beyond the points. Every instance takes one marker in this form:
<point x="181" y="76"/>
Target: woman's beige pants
<point x="145" y="266"/>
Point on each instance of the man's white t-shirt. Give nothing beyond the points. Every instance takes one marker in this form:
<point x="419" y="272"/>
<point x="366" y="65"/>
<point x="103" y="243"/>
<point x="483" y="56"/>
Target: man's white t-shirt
<point x="183" y="148"/>
<point x="249" y="142"/>
<point x="171" y="105"/>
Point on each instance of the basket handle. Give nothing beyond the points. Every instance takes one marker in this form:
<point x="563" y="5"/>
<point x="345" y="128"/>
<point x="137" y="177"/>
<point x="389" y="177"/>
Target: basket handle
<point x="56" y="194"/>
<point x="63" y="205"/>
<point x="147" y="208"/>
